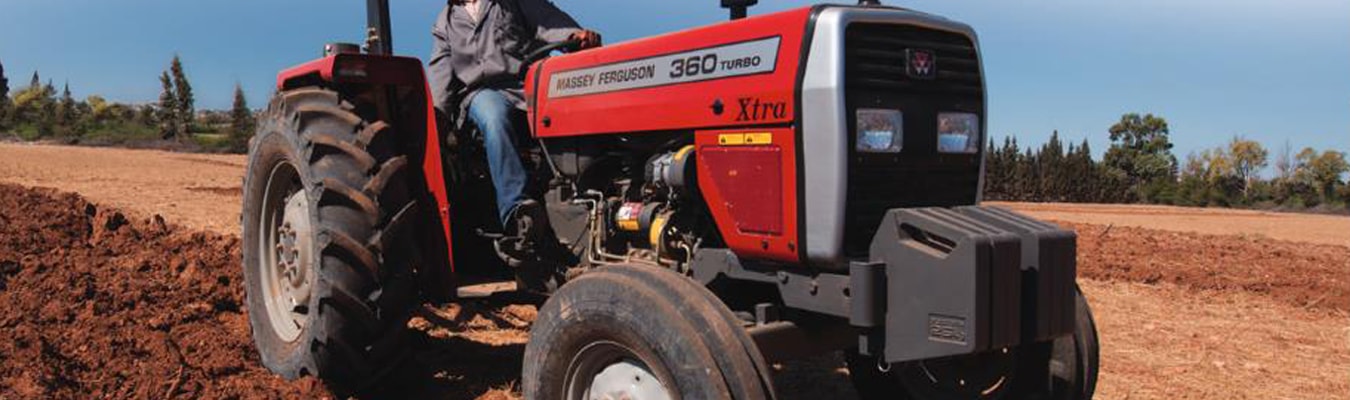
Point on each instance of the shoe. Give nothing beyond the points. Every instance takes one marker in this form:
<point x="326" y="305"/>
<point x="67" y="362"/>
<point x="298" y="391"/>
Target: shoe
<point x="530" y="247"/>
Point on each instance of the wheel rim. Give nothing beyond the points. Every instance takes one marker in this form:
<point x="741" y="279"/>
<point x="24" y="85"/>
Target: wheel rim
<point x="609" y="371"/>
<point x="285" y="246"/>
<point x="979" y="376"/>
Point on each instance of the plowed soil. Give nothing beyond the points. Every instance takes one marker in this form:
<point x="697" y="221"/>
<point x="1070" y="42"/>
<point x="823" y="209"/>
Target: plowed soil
<point x="101" y="303"/>
<point x="1299" y="274"/>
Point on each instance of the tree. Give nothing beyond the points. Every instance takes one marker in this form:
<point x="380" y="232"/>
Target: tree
<point x="1345" y="194"/>
<point x="1141" y="151"/>
<point x="241" y="120"/>
<point x="99" y="108"/>
<point x="186" y="107"/>
<point x="33" y="108"/>
<point x="1193" y="186"/>
<point x="4" y="98"/>
<point x="1086" y="177"/>
<point x="167" y="116"/>
<point x="1218" y="163"/>
<point x="1248" y="157"/>
<point x="4" y="84"/>
<point x="1284" y="162"/>
<point x="146" y="115"/>
<point x="1053" y="182"/>
<point x="66" y="114"/>
<point x="1322" y="170"/>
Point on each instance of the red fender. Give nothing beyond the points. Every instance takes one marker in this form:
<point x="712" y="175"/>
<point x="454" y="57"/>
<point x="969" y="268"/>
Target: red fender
<point x="355" y="74"/>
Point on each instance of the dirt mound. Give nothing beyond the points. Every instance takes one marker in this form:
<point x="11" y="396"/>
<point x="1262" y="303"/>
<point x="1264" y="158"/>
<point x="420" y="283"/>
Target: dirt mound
<point x="98" y="305"/>
<point x="1299" y="274"/>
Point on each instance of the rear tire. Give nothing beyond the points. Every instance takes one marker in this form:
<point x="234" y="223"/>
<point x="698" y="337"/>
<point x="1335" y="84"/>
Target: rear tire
<point x="1070" y="362"/>
<point x="640" y="321"/>
<point x="328" y="255"/>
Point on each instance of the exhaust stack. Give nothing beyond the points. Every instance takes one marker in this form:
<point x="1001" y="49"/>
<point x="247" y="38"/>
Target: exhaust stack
<point x="738" y="8"/>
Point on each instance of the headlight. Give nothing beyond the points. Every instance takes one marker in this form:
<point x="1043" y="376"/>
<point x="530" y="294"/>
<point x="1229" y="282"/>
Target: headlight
<point x="880" y="130"/>
<point x="958" y="133"/>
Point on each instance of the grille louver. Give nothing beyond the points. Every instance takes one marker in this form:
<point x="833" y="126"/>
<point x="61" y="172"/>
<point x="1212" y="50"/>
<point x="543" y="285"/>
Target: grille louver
<point x="876" y="59"/>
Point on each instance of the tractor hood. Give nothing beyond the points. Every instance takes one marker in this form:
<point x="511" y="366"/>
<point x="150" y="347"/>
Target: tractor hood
<point x="733" y="73"/>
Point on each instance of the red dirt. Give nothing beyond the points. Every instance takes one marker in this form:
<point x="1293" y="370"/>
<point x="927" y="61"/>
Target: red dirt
<point x="99" y="306"/>
<point x="1299" y="274"/>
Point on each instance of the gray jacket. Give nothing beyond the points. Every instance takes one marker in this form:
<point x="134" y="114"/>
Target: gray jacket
<point x="466" y="53"/>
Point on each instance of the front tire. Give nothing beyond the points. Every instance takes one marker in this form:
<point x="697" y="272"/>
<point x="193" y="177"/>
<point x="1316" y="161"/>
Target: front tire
<point x="1069" y="365"/>
<point x="327" y="251"/>
<point x="612" y="331"/>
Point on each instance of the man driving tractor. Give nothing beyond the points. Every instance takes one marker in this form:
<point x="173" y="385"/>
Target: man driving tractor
<point x="475" y="75"/>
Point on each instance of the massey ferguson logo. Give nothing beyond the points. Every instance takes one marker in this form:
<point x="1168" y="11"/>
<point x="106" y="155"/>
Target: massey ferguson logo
<point x="920" y="64"/>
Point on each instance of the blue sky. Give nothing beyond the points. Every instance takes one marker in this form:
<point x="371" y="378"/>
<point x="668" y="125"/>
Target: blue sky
<point x="1272" y="70"/>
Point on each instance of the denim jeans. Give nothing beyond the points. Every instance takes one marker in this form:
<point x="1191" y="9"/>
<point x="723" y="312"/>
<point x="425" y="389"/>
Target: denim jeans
<point x="495" y="117"/>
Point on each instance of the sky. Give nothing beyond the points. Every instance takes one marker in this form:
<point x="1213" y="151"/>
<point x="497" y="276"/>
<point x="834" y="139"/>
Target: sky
<point x="1275" y="71"/>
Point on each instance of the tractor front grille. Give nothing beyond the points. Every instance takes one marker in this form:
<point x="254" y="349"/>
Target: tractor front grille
<point x="919" y="176"/>
<point x="876" y="60"/>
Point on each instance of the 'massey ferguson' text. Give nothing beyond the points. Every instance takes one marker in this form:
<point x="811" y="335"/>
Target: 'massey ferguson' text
<point x="724" y="61"/>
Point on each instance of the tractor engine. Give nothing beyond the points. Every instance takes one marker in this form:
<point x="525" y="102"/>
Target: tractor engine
<point x="638" y="203"/>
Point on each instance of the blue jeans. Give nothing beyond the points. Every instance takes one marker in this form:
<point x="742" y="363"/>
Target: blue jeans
<point x="494" y="115"/>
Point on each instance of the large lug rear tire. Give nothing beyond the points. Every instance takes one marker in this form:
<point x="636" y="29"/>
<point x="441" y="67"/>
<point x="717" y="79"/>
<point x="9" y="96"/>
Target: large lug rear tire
<point x="612" y="331"/>
<point x="328" y="259"/>
<point x="1069" y="365"/>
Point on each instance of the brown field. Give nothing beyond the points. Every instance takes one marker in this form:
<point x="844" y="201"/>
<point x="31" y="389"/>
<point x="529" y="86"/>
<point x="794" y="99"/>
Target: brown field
<point x="1190" y="303"/>
<point x="1306" y="228"/>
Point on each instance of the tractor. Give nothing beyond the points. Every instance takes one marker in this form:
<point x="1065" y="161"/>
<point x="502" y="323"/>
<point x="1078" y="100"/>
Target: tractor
<point x="726" y="198"/>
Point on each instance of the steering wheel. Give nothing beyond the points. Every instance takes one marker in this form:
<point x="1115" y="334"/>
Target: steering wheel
<point x="547" y="50"/>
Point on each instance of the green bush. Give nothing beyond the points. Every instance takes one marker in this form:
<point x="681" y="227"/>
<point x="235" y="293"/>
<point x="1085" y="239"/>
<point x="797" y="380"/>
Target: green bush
<point x="1161" y="191"/>
<point x="214" y="142"/>
<point x="120" y="133"/>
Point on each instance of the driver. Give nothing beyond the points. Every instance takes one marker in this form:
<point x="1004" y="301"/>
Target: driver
<point x="476" y="60"/>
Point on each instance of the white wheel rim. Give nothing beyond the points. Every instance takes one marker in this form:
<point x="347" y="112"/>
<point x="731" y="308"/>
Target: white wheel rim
<point x="606" y="370"/>
<point x="626" y="380"/>
<point x="285" y="252"/>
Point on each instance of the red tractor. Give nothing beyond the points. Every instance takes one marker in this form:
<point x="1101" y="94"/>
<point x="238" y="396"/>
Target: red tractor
<point x="728" y="197"/>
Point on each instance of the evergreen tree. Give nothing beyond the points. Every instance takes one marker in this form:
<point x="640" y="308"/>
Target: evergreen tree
<point x="168" y="118"/>
<point x="241" y="120"/>
<point x="1078" y="180"/>
<point x="66" y="111"/>
<point x="995" y="173"/>
<point x="4" y="98"/>
<point x="36" y="82"/>
<point x="4" y="84"/>
<point x="186" y="105"/>
<point x="1053" y="185"/>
